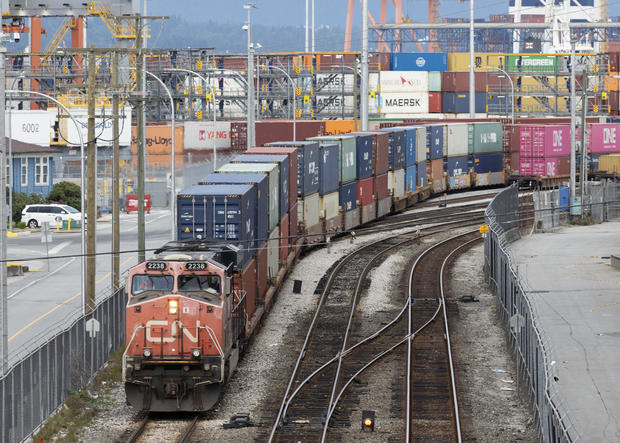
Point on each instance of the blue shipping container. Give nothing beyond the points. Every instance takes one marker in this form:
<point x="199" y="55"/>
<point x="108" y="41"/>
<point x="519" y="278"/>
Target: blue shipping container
<point x="308" y="165"/>
<point x="458" y="102"/>
<point x="219" y="212"/>
<point x="421" y="174"/>
<point x="410" y="178"/>
<point x="348" y="196"/>
<point x="457" y="166"/>
<point x="435" y="141"/>
<point x="410" y="145"/>
<point x="282" y="160"/>
<point x="488" y="163"/>
<point x="261" y="183"/>
<point x="397" y="145"/>
<point x="364" y="158"/>
<point x="419" y="61"/>
<point x="329" y="167"/>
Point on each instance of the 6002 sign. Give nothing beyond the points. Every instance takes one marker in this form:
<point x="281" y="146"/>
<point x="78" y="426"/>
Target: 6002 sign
<point x="31" y="128"/>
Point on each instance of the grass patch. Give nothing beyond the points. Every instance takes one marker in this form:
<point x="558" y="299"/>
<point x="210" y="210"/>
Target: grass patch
<point x="82" y="406"/>
<point x="583" y="221"/>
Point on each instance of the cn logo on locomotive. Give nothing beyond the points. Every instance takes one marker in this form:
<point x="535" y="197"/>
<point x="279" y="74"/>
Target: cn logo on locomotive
<point x="157" y="324"/>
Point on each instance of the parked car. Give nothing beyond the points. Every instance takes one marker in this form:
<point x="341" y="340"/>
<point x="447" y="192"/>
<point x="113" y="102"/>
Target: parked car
<point x="35" y="215"/>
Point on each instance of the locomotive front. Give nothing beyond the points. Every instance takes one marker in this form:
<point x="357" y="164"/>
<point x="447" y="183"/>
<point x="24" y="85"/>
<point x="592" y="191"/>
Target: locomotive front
<point x="180" y="329"/>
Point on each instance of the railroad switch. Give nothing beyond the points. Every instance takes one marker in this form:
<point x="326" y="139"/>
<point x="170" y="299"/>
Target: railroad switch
<point x="239" y="420"/>
<point x="468" y="299"/>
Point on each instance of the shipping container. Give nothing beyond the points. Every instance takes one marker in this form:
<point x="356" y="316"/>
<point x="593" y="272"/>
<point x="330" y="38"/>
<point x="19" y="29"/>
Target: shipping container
<point x="381" y="186"/>
<point x="335" y="127"/>
<point x="564" y="165"/>
<point x="384" y="207"/>
<point x="105" y="136"/>
<point x="352" y="219"/>
<point x="364" y="158"/>
<point x="273" y="171"/>
<point x="419" y="61"/>
<point x="411" y="178"/>
<point x="457" y="166"/>
<point x="437" y="169"/>
<point x="261" y="271"/>
<point x="329" y="167"/>
<point x="293" y="168"/>
<point x="435" y="140"/>
<point x="380" y="151"/>
<point x="603" y="138"/>
<point x="273" y="254"/>
<point x="410" y="143"/>
<point x="488" y="163"/>
<point x="219" y="212"/>
<point x="308" y="165"/>
<point x="459" y="82"/>
<point x="245" y="280"/>
<point x="204" y="136"/>
<point x="525" y="165"/>
<point x="434" y="81"/>
<point x="435" y="102"/>
<point x="459" y="61"/>
<point x="485" y="138"/>
<point x="458" y="102"/>
<point x="421" y="174"/>
<point x="557" y="140"/>
<point x="396" y="183"/>
<point x="293" y="220"/>
<point x="158" y="139"/>
<point x="404" y="103"/>
<point x="284" y="238"/>
<point x="348" y="153"/>
<point x="261" y="183"/>
<point x="457" y="145"/>
<point x="268" y="131"/>
<point x="396" y="154"/>
<point x="422" y="149"/>
<point x="462" y="181"/>
<point x="366" y="191"/>
<point x="308" y="210"/>
<point x="348" y="196"/>
<point x="369" y="213"/>
<point x="609" y="163"/>
<point x="330" y="205"/>
<point x="282" y="162"/>
<point x="402" y="81"/>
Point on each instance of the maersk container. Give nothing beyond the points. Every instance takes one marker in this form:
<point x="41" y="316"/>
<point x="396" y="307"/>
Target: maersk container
<point x="308" y="210"/>
<point x="485" y="138"/>
<point x="410" y="178"/>
<point x="419" y="61"/>
<point x="435" y="141"/>
<point x="396" y="182"/>
<point x="457" y="145"/>
<point x="396" y="151"/>
<point x="364" y="158"/>
<point x="457" y="166"/>
<point x="219" y="212"/>
<point x="282" y="161"/>
<point x="488" y="163"/>
<point x="330" y="205"/>
<point x="422" y="150"/>
<point x="261" y="183"/>
<point x="273" y="171"/>
<point x="308" y="172"/>
<point x="422" y="174"/>
<point x="329" y="165"/>
<point x="410" y="143"/>
<point x="348" y="154"/>
<point x="347" y="196"/>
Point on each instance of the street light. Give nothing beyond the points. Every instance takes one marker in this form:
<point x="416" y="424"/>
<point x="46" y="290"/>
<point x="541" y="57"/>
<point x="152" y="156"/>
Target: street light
<point x="250" y="104"/>
<point x="294" y="97"/>
<point x="512" y="87"/>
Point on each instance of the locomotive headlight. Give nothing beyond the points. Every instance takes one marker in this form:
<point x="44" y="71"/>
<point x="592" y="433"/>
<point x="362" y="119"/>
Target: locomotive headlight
<point x="147" y="352"/>
<point x="196" y="353"/>
<point x="173" y="306"/>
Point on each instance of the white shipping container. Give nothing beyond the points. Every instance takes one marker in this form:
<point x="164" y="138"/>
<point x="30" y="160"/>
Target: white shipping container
<point x="396" y="182"/>
<point x="334" y="83"/>
<point x="420" y="146"/>
<point x="404" y="103"/>
<point x="334" y="104"/>
<point x="457" y="139"/>
<point x="103" y="127"/>
<point x="200" y="135"/>
<point x="330" y="205"/>
<point x="34" y="127"/>
<point x="403" y="81"/>
<point x="308" y="210"/>
<point x="273" y="253"/>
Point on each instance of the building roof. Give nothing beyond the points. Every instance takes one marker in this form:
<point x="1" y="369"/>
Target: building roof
<point x="27" y="148"/>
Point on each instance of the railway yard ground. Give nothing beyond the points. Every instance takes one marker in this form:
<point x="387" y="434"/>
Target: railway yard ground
<point x="491" y="408"/>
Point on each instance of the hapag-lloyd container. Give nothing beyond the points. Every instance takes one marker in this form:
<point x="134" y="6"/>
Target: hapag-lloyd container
<point x="348" y="154"/>
<point x="396" y="183"/>
<point x="456" y="144"/>
<point x="329" y="165"/>
<point x="396" y="155"/>
<point x="261" y="183"/>
<point x="435" y="140"/>
<point x="411" y="134"/>
<point x="308" y="210"/>
<point x="348" y="196"/>
<point x="381" y="186"/>
<point x="293" y="169"/>
<point x="364" y="158"/>
<point x="422" y="150"/>
<point x="219" y="212"/>
<point x="282" y="162"/>
<point x="604" y="138"/>
<point x="421" y="179"/>
<point x="366" y="191"/>
<point x="485" y="138"/>
<point x="273" y="171"/>
<point x="330" y="205"/>
<point x="308" y="164"/>
<point x="410" y="178"/>
<point x="457" y="166"/>
<point x="488" y="163"/>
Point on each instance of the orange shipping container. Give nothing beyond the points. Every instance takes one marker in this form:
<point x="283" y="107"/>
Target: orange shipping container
<point x="333" y="127"/>
<point x="161" y="161"/>
<point x="611" y="83"/>
<point x="159" y="139"/>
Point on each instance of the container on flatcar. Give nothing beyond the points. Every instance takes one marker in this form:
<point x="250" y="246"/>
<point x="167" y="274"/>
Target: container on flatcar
<point x="348" y="196"/>
<point x="396" y="183"/>
<point x="283" y="163"/>
<point x="308" y="164"/>
<point x="273" y="171"/>
<point x="437" y="169"/>
<point x="293" y="168"/>
<point x="364" y="155"/>
<point x="411" y="178"/>
<point x="421" y="174"/>
<point x="261" y="271"/>
<point x="329" y="166"/>
<point x="330" y="205"/>
<point x="381" y="186"/>
<point x="485" y="138"/>
<point x="457" y="166"/>
<point x="457" y="145"/>
<point x="488" y="163"/>
<point x="609" y="163"/>
<point x="435" y="140"/>
<point x="396" y="154"/>
<point x="219" y="212"/>
<point x="348" y="152"/>
<point x="246" y="281"/>
<point x="273" y="254"/>
<point x="284" y="238"/>
<point x="261" y="209"/>
<point x="308" y="210"/>
<point x="380" y="151"/>
<point x="422" y="150"/>
<point x="604" y="138"/>
<point x="410" y="143"/>
<point x="366" y="191"/>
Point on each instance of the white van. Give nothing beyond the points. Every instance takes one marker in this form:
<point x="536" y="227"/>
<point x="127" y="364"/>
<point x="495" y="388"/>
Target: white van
<point x="35" y="215"/>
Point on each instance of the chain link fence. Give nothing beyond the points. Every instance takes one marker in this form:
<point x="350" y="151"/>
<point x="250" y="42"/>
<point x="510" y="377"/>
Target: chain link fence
<point x="36" y="386"/>
<point x="529" y="344"/>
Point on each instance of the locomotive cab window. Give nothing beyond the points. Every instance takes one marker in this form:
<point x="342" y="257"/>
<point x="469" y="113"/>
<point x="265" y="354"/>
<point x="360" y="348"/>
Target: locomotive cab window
<point x="199" y="283"/>
<point x="149" y="283"/>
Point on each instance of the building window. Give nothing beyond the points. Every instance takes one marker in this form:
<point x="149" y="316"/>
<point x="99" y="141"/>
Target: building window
<point x="24" y="171"/>
<point x="41" y="168"/>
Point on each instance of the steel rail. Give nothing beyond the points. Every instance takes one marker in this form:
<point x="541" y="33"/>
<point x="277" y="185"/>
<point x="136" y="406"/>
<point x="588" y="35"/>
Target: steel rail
<point x="135" y="435"/>
<point x="188" y="431"/>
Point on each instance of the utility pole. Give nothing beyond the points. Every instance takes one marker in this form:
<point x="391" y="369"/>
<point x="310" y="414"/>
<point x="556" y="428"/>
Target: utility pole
<point x="91" y="210"/>
<point x="584" y="152"/>
<point x="573" y="125"/>
<point x="4" y="323"/>
<point x="115" y="176"/>
<point x="364" y="82"/>
<point x="140" y="132"/>
<point x="472" y="72"/>
<point x="251" y="137"/>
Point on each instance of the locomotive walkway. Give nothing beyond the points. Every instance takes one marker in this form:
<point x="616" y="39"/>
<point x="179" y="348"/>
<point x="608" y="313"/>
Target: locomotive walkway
<point x="576" y="293"/>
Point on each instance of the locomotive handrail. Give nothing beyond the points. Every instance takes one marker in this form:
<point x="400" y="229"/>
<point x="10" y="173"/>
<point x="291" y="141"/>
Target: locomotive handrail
<point x="135" y="331"/>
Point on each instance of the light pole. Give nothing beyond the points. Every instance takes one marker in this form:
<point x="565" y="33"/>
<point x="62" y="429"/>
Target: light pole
<point x="251" y="141"/>
<point x="294" y="97"/>
<point x="472" y="82"/>
<point x="364" y="79"/>
<point x="512" y="88"/>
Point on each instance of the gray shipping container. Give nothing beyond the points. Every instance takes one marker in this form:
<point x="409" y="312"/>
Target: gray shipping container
<point x="348" y="155"/>
<point x="421" y="147"/>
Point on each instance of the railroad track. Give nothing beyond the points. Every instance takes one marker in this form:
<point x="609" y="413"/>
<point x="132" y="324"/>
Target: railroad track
<point x="160" y="427"/>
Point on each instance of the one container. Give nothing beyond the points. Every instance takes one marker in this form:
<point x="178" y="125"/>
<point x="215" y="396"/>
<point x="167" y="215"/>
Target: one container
<point x="396" y="155"/>
<point x="282" y="161"/>
<point x="435" y="140"/>
<point x="485" y="138"/>
<point x="308" y="210"/>
<point x="488" y="163"/>
<point x="261" y="209"/>
<point x="273" y="171"/>
<point x="422" y="174"/>
<point x="364" y="158"/>
<point x="308" y="164"/>
<point x="604" y="138"/>
<point x="411" y="178"/>
<point x="557" y="140"/>
<point x="422" y="150"/>
<point x="330" y="205"/>
<point x="419" y="61"/>
<point x="293" y="170"/>
<point x="525" y="165"/>
<point x="348" y="154"/>
<point x="410" y="145"/>
<point x="381" y="186"/>
<point x="366" y="191"/>
<point x="273" y="254"/>
<point x="219" y="212"/>
<point x="396" y="183"/>
<point x="457" y="166"/>
<point x="329" y="167"/>
<point x="348" y="196"/>
<point x="457" y="145"/>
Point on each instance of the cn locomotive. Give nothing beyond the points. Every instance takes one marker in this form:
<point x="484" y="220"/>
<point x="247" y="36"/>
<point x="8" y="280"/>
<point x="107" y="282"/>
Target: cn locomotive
<point x="184" y="322"/>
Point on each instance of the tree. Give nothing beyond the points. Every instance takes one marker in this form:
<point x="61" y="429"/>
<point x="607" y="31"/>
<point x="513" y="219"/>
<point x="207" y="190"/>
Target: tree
<point x="20" y="200"/>
<point x="66" y="193"/>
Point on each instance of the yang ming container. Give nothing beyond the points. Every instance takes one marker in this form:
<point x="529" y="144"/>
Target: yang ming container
<point x="219" y="212"/>
<point x="485" y="138"/>
<point x="261" y="209"/>
<point x="435" y="140"/>
<point x="282" y="161"/>
<point x="411" y="178"/>
<point x="409" y="146"/>
<point x="396" y="152"/>
<point x="348" y="196"/>
<point x="348" y="155"/>
<point x="273" y="171"/>
<point x="293" y="168"/>
<point x="308" y="164"/>
<point x="364" y="158"/>
<point x="457" y="145"/>
<point x="329" y="165"/>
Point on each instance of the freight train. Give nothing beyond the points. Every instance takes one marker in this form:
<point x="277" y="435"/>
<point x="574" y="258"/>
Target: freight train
<point x="193" y="306"/>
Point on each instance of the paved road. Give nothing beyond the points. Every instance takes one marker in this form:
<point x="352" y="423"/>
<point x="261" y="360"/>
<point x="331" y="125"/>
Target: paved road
<point x="46" y="299"/>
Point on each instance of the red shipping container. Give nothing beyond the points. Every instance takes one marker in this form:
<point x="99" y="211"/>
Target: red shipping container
<point x="379" y="61"/>
<point x="532" y="18"/>
<point x="131" y="203"/>
<point x="246" y="281"/>
<point x="436" y="169"/>
<point x="268" y="131"/>
<point x="613" y="62"/>
<point x="293" y="154"/>
<point x="293" y="220"/>
<point x="434" y="102"/>
<point x="284" y="240"/>
<point x="380" y="148"/>
<point x="612" y="101"/>
<point x="459" y="81"/>
<point x="381" y="186"/>
<point x="563" y="165"/>
<point x="514" y="162"/>
<point x="366" y="191"/>
<point x="261" y="271"/>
